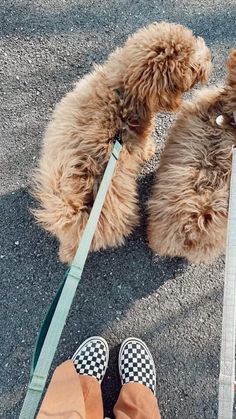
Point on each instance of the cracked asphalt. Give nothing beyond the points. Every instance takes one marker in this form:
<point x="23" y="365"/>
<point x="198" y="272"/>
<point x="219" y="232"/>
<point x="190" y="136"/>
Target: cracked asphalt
<point x="45" y="46"/>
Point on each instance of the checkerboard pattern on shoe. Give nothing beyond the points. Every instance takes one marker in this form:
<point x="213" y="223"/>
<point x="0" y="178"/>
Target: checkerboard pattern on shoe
<point x="136" y="364"/>
<point x="91" y="358"/>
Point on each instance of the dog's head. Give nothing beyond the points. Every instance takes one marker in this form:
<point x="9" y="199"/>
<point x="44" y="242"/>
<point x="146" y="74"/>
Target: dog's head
<point x="228" y="98"/>
<point x="231" y="82"/>
<point x="164" y="60"/>
<point x="232" y="70"/>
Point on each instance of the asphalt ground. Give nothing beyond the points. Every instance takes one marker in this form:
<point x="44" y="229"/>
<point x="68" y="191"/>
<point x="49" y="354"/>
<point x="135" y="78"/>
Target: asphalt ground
<point x="175" y="307"/>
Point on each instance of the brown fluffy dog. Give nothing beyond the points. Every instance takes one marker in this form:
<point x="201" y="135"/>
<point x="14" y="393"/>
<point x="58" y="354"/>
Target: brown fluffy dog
<point x="152" y="70"/>
<point x="189" y="204"/>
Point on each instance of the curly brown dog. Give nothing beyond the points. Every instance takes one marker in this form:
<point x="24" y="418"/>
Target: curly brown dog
<point x="189" y="204"/>
<point x="152" y="70"/>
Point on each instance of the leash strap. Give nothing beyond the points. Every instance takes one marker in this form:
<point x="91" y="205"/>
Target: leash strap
<point x="227" y="361"/>
<point x="55" y="319"/>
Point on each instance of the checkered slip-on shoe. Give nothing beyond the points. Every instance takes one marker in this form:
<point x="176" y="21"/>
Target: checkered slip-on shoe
<point x="92" y="357"/>
<point x="136" y="364"/>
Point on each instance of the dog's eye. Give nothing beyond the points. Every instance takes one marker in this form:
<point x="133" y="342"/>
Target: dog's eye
<point x="160" y="50"/>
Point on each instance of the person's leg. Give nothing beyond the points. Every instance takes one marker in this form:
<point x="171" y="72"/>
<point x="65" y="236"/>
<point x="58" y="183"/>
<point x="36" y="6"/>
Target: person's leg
<point x="138" y="377"/>
<point x="64" y="397"/>
<point x="91" y="361"/>
<point x="136" y="401"/>
<point x="75" y="389"/>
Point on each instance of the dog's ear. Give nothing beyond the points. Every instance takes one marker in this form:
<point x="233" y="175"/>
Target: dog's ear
<point x="232" y="69"/>
<point x="158" y="74"/>
<point x="155" y="77"/>
<point x="201" y="61"/>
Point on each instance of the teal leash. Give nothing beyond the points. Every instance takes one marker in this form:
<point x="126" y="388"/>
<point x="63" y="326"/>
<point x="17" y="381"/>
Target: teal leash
<point x="55" y="319"/>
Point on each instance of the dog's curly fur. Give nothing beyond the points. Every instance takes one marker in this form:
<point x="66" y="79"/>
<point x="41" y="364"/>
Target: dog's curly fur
<point x="189" y="203"/>
<point x="152" y="70"/>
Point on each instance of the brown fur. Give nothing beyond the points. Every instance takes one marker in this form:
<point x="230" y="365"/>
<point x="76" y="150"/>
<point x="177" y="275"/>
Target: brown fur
<point x="189" y="204"/>
<point x="151" y="71"/>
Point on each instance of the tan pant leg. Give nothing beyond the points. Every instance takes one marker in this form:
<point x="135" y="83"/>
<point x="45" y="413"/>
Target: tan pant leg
<point x="136" y="401"/>
<point x="92" y="397"/>
<point x="70" y="396"/>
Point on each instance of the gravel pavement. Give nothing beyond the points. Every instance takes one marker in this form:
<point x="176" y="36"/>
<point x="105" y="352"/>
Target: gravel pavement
<point x="46" y="45"/>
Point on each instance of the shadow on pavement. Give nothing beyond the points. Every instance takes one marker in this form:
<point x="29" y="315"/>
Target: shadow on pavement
<point x="30" y="273"/>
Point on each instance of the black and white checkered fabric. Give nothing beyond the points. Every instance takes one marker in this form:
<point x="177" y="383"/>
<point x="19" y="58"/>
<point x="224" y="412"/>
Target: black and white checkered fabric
<point x="136" y="364"/>
<point x="91" y="358"/>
